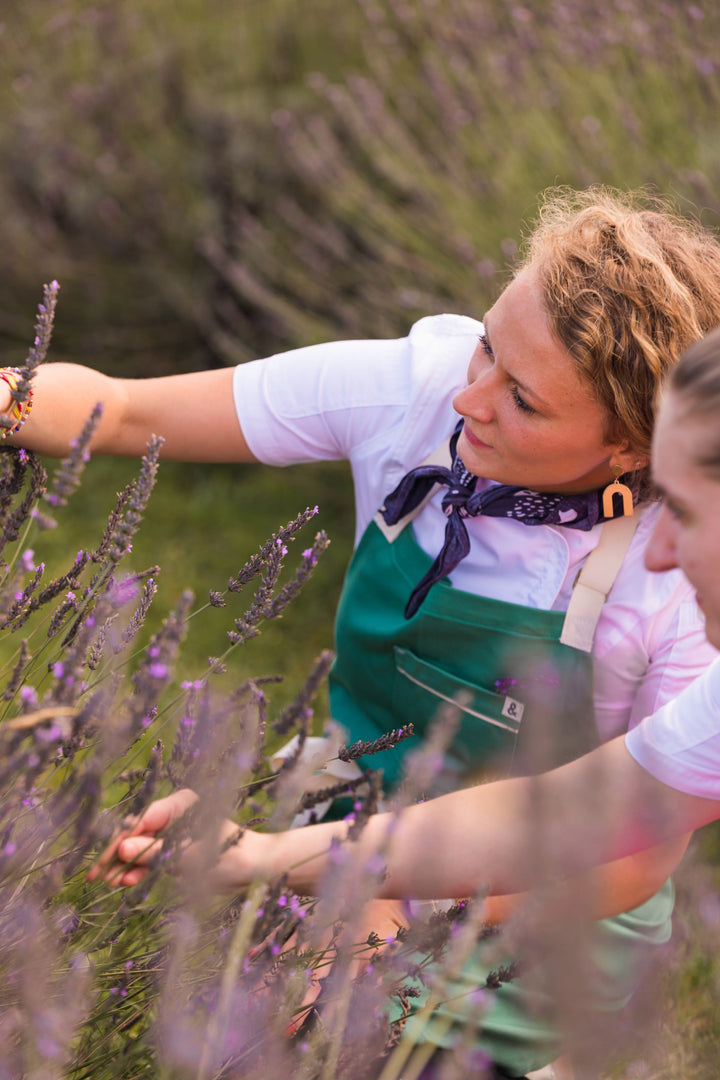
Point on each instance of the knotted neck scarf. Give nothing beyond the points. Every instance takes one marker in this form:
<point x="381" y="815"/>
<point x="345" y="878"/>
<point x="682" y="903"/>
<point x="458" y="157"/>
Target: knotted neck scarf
<point x="580" y="511"/>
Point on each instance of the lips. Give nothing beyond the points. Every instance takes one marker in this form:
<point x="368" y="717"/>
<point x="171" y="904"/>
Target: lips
<point x="474" y="441"/>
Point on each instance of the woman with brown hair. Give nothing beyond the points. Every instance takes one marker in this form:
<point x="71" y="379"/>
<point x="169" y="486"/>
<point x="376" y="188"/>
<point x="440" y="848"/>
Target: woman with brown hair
<point x="498" y="565"/>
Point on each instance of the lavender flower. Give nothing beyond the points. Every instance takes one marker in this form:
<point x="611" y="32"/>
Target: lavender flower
<point x="271" y="550"/>
<point x="364" y="810"/>
<point x="69" y="473"/>
<point x="138" y="618"/>
<point x="346" y="787"/>
<point x="297" y="710"/>
<point x="292" y="588"/>
<point x="14" y="683"/>
<point x="375" y="746"/>
<point x="14" y="519"/>
<point x="504" y="974"/>
<point x="43" y="327"/>
<point x="139" y="494"/>
<point x="17" y="613"/>
<point x="154" y="673"/>
<point x="97" y="647"/>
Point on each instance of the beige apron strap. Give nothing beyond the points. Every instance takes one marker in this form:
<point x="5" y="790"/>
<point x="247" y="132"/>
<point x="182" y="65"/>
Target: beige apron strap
<point x="439" y="456"/>
<point x="595" y="581"/>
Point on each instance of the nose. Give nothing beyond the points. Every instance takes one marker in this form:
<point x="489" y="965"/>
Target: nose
<point x="661" y="551"/>
<point x="477" y="398"/>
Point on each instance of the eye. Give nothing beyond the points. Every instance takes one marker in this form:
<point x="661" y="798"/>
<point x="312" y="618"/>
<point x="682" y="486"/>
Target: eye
<point x="520" y="401"/>
<point x="485" y="344"/>
<point x="678" y="513"/>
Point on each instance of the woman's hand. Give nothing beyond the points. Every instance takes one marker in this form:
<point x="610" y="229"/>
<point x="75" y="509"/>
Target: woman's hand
<point x="137" y="841"/>
<point x="222" y="864"/>
<point x="126" y="859"/>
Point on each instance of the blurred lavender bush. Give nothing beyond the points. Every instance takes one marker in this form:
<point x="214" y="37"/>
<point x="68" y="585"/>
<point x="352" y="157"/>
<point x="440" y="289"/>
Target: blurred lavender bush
<point x="214" y="187"/>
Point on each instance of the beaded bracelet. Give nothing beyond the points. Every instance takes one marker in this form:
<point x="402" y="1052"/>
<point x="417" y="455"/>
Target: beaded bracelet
<point x="19" y="410"/>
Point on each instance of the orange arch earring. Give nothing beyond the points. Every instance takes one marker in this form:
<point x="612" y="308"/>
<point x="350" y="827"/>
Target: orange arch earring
<point x="616" y="488"/>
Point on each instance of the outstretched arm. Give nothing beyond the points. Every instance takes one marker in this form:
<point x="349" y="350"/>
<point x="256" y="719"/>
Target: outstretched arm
<point x="506" y="836"/>
<point x="194" y="413"/>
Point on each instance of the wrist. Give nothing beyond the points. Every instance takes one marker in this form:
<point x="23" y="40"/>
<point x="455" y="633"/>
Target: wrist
<point x="16" y="397"/>
<point x="253" y="858"/>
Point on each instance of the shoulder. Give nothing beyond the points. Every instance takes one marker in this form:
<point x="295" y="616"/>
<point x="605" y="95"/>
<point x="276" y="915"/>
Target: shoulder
<point x="445" y="326"/>
<point x="382" y="370"/>
<point x="650" y="641"/>
<point x="383" y="404"/>
<point x="442" y="344"/>
<point x="680" y="743"/>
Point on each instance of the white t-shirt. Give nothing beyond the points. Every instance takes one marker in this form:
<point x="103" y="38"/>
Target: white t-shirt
<point x="680" y="743"/>
<point x="385" y="405"/>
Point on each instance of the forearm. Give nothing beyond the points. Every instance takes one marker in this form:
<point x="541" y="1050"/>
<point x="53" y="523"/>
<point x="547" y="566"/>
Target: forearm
<point x="427" y="849"/>
<point x="193" y="413"/>
<point x="514" y="834"/>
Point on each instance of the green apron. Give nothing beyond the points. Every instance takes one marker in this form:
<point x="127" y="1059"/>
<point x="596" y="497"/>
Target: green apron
<point x="527" y="707"/>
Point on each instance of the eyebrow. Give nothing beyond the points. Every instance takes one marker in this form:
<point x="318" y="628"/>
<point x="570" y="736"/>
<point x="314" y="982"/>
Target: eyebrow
<point x="666" y="497"/>
<point x="523" y="386"/>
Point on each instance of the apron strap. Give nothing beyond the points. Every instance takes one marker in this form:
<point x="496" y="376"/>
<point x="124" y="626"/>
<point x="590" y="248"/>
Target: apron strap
<point x="595" y="581"/>
<point x="440" y="456"/>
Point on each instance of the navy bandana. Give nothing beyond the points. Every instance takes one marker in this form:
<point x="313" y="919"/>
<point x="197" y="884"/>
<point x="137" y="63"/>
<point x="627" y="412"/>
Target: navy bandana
<point x="581" y="511"/>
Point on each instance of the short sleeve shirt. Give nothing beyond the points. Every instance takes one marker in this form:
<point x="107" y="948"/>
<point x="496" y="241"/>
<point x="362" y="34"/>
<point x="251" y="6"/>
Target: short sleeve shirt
<point x="680" y="743"/>
<point x="384" y="406"/>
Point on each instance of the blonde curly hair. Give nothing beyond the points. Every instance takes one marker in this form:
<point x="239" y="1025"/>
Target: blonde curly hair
<point x="628" y="285"/>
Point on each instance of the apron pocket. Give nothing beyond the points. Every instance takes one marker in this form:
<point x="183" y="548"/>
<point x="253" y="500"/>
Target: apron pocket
<point x="489" y="722"/>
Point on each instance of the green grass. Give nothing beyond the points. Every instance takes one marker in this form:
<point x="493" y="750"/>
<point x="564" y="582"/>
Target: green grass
<point x="202" y="523"/>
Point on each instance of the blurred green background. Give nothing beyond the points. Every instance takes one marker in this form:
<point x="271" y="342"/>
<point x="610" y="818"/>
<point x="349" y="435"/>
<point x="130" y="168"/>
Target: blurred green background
<point x="220" y="180"/>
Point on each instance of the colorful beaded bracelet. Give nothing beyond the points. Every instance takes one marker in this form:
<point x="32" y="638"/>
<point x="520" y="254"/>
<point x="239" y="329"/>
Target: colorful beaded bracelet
<point x="19" y="410"/>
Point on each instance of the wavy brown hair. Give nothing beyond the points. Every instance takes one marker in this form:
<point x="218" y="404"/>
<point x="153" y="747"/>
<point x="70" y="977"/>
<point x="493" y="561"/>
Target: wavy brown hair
<point x="628" y="285"/>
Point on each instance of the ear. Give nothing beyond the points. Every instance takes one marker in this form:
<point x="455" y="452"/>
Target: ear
<point x="628" y="459"/>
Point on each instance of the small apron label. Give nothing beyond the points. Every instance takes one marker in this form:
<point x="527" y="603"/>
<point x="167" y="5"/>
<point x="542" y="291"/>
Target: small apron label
<point x="513" y="709"/>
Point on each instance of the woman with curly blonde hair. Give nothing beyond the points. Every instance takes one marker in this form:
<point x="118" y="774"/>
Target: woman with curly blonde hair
<point x="503" y="507"/>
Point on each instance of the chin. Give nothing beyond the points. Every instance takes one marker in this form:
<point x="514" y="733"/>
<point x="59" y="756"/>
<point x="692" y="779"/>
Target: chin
<point x="474" y="460"/>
